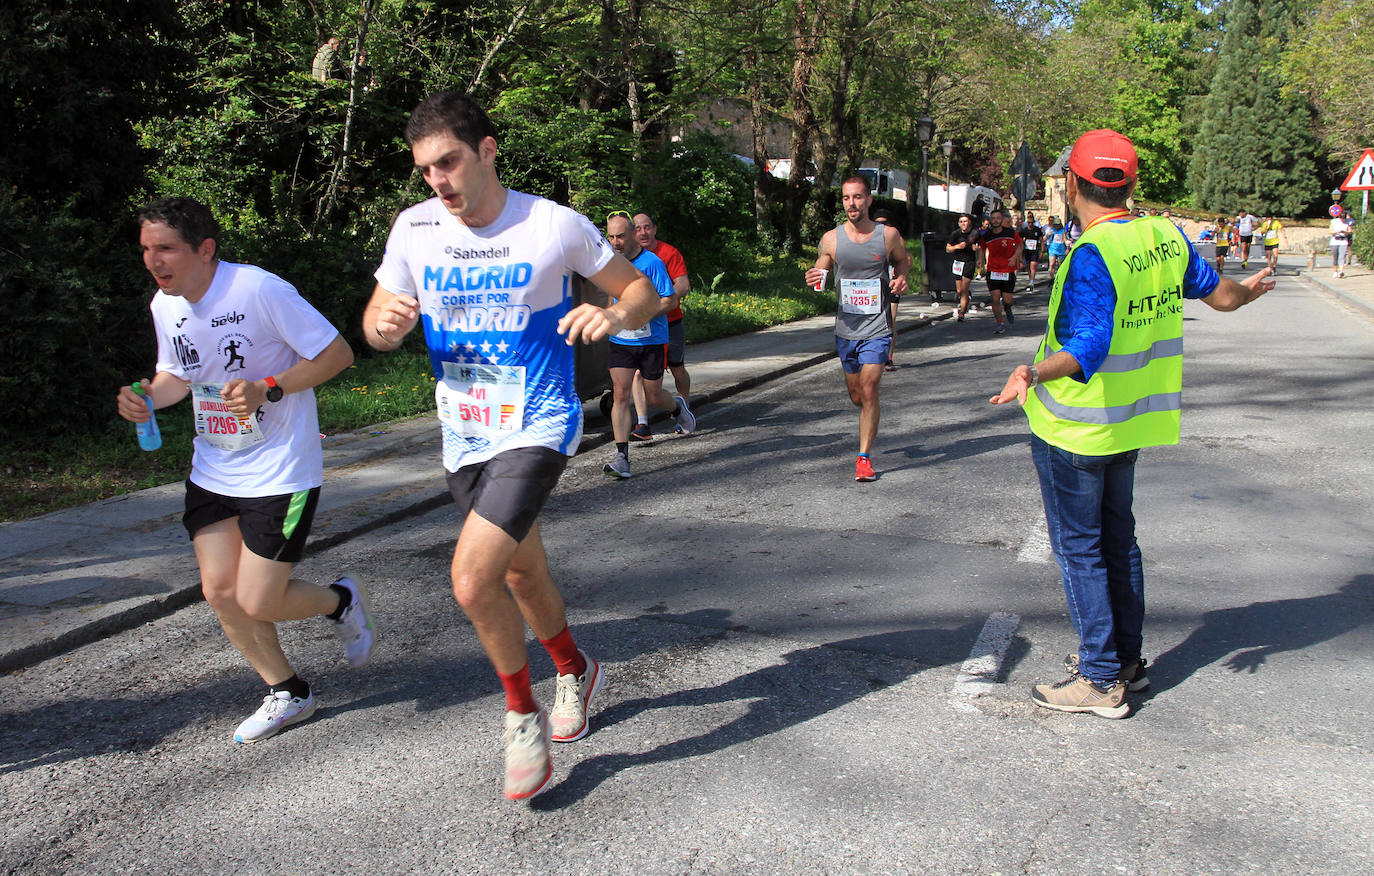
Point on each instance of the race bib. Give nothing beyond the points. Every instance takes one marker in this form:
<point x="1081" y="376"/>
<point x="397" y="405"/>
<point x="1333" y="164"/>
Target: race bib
<point x="959" y="267"/>
<point x="1000" y="275"/>
<point x="861" y="296"/>
<point x="644" y="331"/>
<point x="1031" y="243"/>
<point x="481" y="400"/>
<point x="217" y="425"/>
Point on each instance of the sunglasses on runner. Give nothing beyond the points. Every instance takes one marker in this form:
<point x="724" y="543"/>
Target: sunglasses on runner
<point x="619" y="213"/>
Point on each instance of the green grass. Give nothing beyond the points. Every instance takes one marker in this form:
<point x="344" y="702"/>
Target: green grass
<point x="77" y="469"/>
<point x="772" y="292"/>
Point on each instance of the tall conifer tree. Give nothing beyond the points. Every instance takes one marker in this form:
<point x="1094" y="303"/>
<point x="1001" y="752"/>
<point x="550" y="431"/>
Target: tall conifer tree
<point x="1255" y="147"/>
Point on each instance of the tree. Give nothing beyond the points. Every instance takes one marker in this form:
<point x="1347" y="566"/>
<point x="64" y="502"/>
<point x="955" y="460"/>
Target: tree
<point x="1332" y="65"/>
<point x="1156" y="63"/>
<point x="72" y="75"/>
<point x="1255" y="148"/>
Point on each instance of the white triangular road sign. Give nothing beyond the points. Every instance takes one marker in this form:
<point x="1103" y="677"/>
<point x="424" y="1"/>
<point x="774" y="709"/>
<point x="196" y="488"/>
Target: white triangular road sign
<point x="1362" y="177"/>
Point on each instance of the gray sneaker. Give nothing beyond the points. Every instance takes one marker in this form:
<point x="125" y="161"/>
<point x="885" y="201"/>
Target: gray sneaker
<point x="528" y="764"/>
<point x="355" y="627"/>
<point x="618" y="467"/>
<point x="686" y="420"/>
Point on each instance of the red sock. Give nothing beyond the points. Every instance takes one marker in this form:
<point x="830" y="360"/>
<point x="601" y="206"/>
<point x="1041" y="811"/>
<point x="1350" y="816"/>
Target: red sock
<point x="566" y="657"/>
<point x="519" y="696"/>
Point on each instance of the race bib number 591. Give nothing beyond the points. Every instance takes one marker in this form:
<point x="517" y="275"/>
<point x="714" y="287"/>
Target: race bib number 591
<point x="481" y="400"/>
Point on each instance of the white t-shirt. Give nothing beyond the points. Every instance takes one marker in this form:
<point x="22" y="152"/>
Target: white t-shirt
<point x="490" y="301"/>
<point x="249" y="324"/>
<point x="1246" y="225"/>
<point x="1340" y="232"/>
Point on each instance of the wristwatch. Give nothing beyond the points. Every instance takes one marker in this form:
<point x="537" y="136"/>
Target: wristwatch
<point x="274" y="392"/>
<point x="1034" y="372"/>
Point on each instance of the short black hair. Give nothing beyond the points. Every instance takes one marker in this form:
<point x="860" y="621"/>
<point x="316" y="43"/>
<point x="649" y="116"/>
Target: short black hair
<point x="188" y="217"/>
<point x="1102" y="195"/>
<point x="450" y="112"/>
<point x="858" y="178"/>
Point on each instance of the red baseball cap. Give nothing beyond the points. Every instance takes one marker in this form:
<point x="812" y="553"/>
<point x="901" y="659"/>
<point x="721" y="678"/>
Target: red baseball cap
<point x="1100" y="149"/>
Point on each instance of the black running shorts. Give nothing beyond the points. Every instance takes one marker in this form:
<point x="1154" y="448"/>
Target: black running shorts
<point x="273" y="527"/>
<point x="649" y="359"/>
<point x="1007" y="286"/>
<point x="510" y="489"/>
<point x="677" y="344"/>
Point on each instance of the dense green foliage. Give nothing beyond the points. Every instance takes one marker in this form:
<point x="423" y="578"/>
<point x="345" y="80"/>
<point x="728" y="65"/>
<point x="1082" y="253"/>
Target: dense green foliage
<point x="1363" y="245"/>
<point x="106" y="104"/>
<point x="1255" y="147"/>
<point x="1331" y="63"/>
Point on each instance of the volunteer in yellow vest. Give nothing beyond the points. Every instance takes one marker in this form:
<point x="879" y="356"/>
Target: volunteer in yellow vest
<point x="1107" y="381"/>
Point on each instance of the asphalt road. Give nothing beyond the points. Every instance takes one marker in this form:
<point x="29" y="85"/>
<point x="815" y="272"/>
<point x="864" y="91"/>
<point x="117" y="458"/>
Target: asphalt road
<point x="806" y="675"/>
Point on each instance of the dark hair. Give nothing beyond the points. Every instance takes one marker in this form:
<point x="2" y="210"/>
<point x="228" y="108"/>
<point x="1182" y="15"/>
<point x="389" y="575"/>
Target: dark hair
<point x="1102" y="195"/>
<point x="966" y="216"/>
<point x="858" y="178"/>
<point x="450" y="112"/>
<point x="188" y="217"/>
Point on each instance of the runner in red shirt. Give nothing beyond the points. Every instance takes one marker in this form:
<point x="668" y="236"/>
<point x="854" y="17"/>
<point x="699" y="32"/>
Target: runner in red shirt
<point x="646" y="232"/>
<point x="1000" y="246"/>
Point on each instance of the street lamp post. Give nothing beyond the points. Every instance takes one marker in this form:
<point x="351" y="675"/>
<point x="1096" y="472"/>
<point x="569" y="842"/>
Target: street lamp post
<point x="948" y="148"/>
<point x="925" y="132"/>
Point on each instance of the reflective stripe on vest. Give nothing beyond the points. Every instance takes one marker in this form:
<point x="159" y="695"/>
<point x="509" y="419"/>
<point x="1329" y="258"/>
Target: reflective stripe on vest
<point x="1135" y="397"/>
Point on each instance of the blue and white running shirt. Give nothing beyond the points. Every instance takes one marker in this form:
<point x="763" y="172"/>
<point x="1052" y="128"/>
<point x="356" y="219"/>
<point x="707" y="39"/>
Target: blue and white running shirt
<point x="490" y="301"/>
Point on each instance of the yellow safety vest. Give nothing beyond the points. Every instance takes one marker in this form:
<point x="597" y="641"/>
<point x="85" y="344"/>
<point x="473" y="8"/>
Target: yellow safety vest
<point x="1135" y="397"/>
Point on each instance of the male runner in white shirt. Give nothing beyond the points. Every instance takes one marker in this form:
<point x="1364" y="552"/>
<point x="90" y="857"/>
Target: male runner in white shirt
<point x="487" y="273"/>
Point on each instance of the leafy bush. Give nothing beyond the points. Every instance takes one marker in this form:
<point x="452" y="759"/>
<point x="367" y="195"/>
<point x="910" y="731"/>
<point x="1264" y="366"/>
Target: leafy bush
<point x="77" y="297"/>
<point x="1363" y="245"/>
<point x="699" y="195"/>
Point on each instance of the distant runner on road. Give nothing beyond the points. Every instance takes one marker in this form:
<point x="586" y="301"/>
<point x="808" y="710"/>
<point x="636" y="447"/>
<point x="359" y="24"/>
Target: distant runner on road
<point x="1001" y="249"/>
<point x="487" y="271"/>
<point x="249" y="351"/>
<point x="859" y="252"/>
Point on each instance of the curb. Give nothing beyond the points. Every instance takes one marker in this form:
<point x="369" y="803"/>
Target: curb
<point x="128" y="618"/>
<point x="1339" y="293"/>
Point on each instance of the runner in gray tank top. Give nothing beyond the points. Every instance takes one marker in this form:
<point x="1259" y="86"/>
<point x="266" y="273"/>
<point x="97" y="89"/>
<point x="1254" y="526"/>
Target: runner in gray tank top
<point x="858" y="253"/>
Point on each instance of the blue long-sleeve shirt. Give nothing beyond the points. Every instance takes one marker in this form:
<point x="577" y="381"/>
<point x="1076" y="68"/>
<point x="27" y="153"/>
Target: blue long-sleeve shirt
<point x="1084" y="321"/>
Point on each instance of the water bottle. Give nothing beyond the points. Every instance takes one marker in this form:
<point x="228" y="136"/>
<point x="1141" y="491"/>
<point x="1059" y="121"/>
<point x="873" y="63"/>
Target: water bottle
<point x="149" y="436"/>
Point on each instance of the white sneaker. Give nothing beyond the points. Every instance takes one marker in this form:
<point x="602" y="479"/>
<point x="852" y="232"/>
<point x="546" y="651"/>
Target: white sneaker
<point x="528" y="763"/>
<point x="278" y="711"/>
<point x="355" y="627"/>
<point x="575" y="694"/>
<point x="685" y="418"/>
<point x="618" y="467"/>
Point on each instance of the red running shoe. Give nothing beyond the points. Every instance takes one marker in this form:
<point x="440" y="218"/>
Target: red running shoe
<point x="863" y="469"/>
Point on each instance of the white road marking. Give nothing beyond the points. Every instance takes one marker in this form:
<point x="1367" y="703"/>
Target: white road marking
<point x="981" y="670"/>
<point x="1036" y="547"/>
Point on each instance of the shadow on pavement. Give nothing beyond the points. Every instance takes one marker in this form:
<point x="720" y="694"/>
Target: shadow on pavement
<point x="1261" y="629"/>
<point x="811" y="682"/>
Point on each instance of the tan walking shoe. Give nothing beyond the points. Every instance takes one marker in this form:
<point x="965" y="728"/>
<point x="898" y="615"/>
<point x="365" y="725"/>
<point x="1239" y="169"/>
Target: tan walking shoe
<point x="1077" y="694"/>
<point x="1132" y="673"/>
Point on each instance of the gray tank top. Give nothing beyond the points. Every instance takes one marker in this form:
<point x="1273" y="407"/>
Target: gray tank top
<point x="861" y="284"/>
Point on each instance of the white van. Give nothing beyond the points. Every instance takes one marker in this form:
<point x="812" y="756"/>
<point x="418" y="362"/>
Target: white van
<point x="963" y="198"/>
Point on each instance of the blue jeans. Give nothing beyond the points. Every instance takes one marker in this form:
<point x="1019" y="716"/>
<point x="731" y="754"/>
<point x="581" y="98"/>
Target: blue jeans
<point x="1092" y="531"/>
